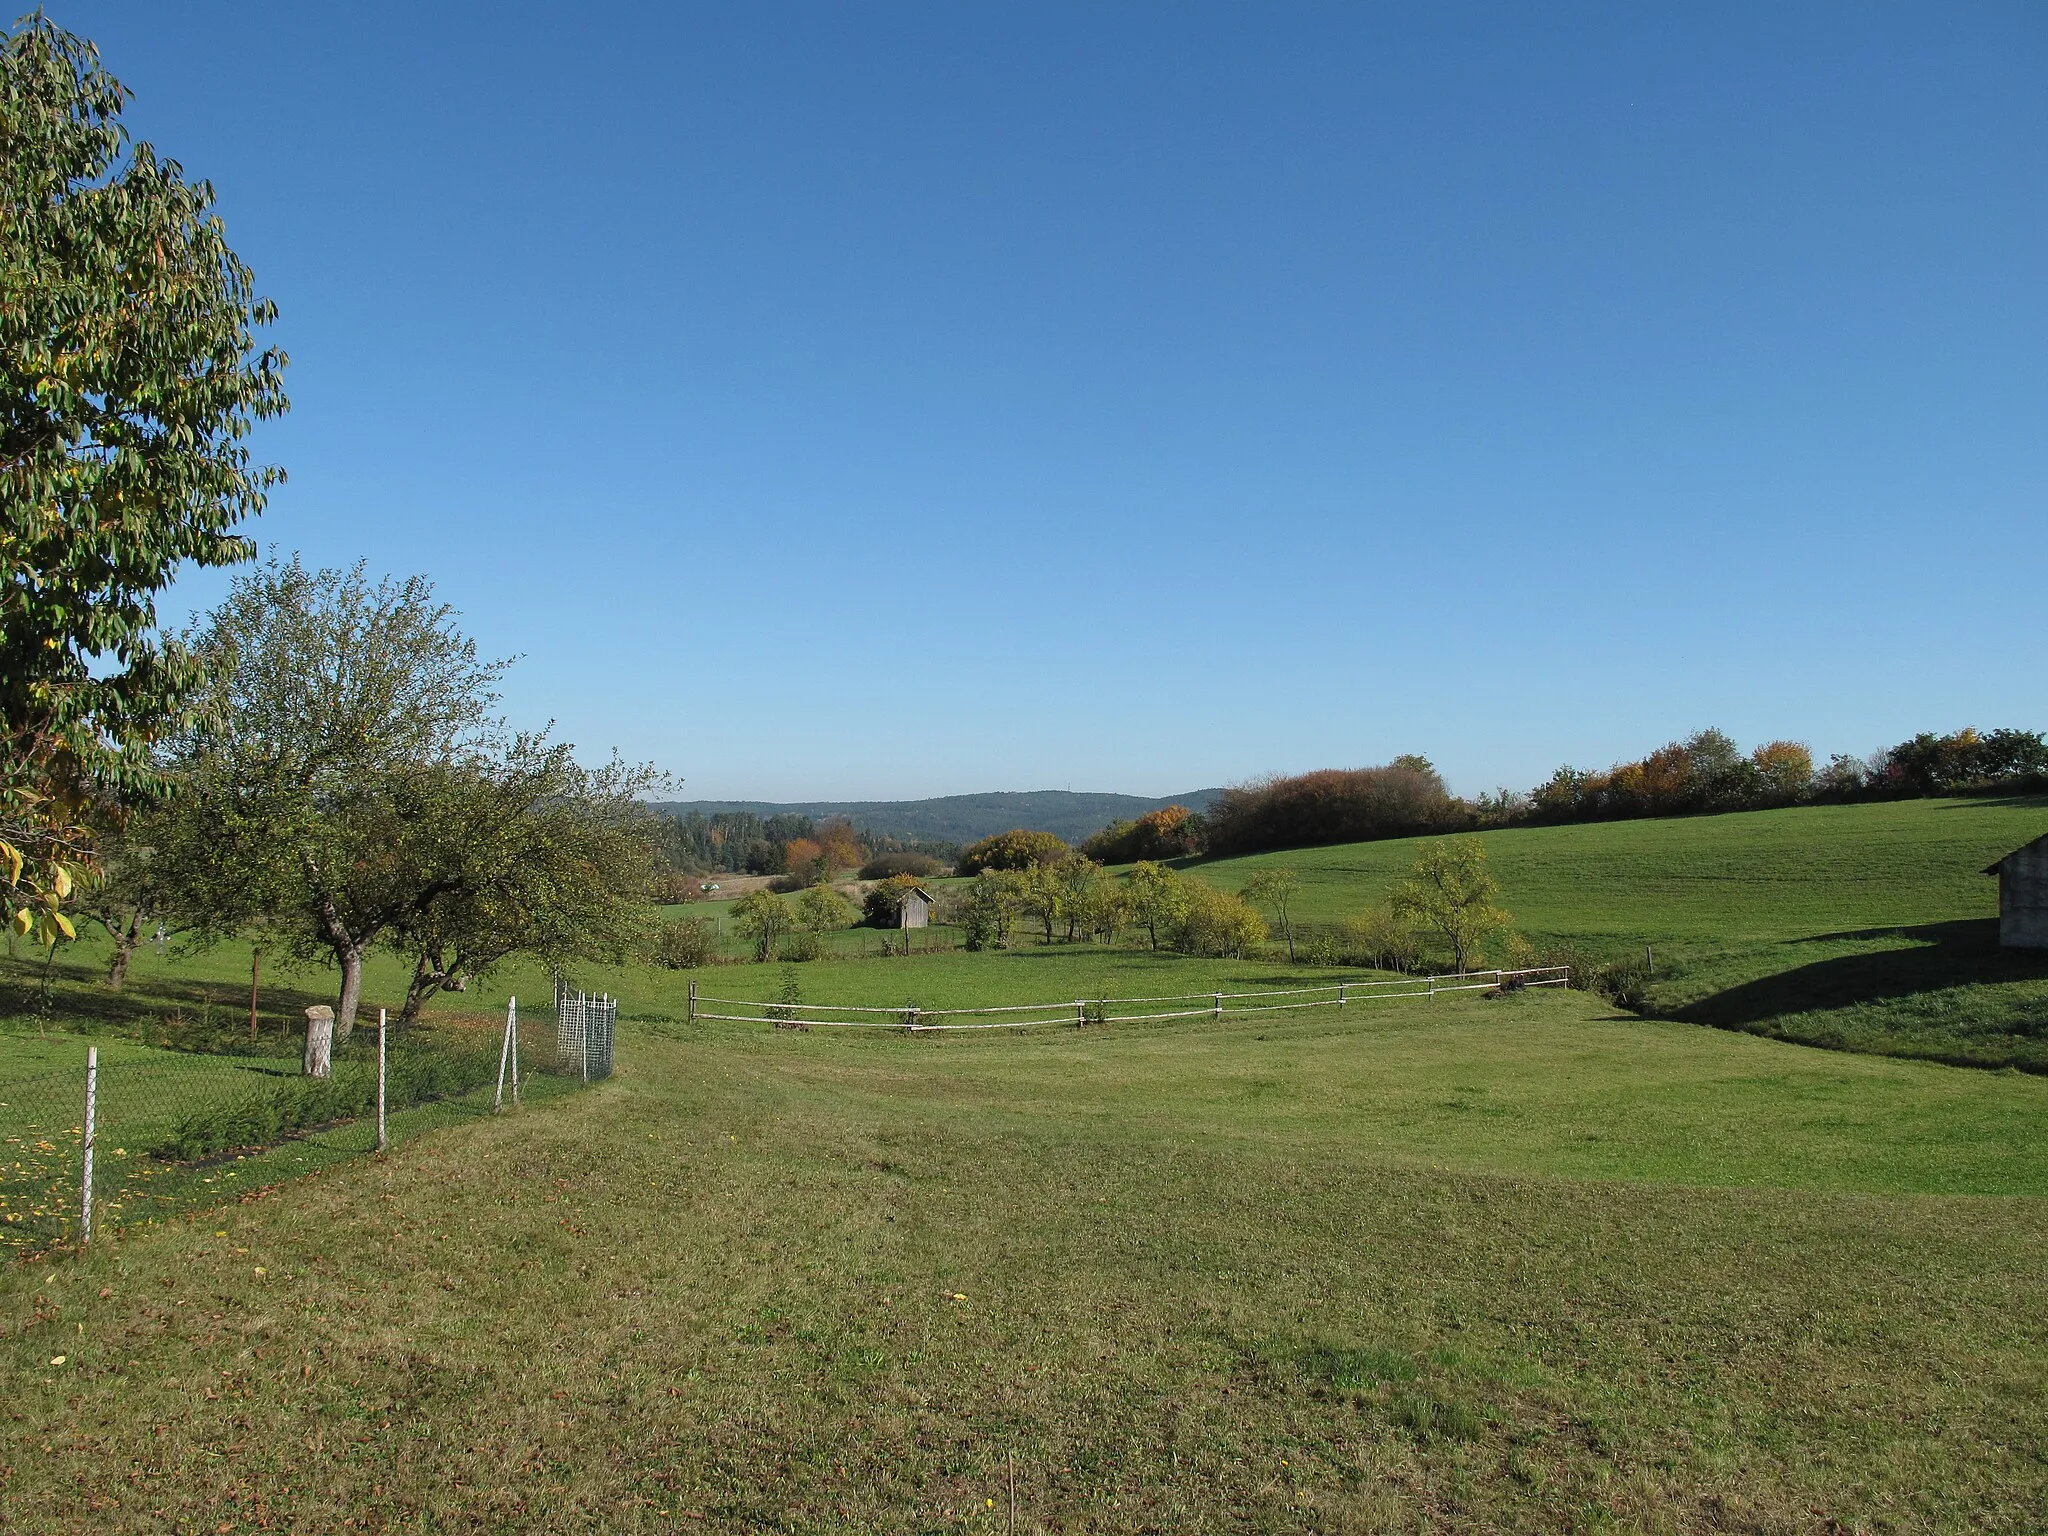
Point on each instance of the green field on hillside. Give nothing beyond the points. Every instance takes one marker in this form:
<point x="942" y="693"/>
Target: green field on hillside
<point x="1473" y="1265"/>
<point x="1868" y="927"/>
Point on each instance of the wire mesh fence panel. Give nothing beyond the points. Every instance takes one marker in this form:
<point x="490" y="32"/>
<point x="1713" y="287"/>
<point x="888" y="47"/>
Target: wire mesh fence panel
<point x="585" y="1026"/>
<point x="41" y="1159"/>
<point x="175" y="1131"/>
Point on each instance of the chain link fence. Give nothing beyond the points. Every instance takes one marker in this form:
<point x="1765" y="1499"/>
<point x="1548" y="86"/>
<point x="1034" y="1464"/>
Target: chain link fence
<point x="173" y="1131"/>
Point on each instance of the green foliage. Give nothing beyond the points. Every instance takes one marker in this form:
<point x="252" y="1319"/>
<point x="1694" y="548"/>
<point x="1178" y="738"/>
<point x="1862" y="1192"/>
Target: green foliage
<point x="883" y="866"/>
<point x="1016" y="849"/>
<point x="1158" y="898"/>
<point x="1450" y="893"/>
<point x="131" y="377"/>
<point x="1172" y="832"/>
<point x="421" y="1071"/>
<point x="988" y="908"/>
<point x="686" y="944"/>
<point x="763" y="917"/>
<point x="882" y="906"/>
<point x="1404" y="797"/>
<point x="1213" y="922"/>
<point x="1276" y="887"/>
<point x="820" y="909"/>
<point x="1384" y="940"/>
<point x="345" y="725"/>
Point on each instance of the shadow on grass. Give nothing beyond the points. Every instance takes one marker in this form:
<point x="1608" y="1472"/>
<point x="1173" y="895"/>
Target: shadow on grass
<point x="1938" y="957"/>
<point x="188" y="1014"/>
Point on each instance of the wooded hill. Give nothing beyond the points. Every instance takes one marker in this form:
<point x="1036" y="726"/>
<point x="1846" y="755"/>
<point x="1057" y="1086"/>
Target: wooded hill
<point x="1073" y="814"/>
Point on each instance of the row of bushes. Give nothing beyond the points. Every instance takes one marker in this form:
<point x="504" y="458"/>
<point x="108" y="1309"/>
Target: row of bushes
<point x="422" y="1071"/>
<point x="1705" y="773"/>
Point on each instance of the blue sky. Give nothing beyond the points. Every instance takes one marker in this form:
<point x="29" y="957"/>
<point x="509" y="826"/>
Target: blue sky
<point x="873" y="401"/>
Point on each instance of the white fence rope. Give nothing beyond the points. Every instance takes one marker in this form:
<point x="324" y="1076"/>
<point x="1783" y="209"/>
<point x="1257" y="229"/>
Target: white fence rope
<point x="911" y="1017"/>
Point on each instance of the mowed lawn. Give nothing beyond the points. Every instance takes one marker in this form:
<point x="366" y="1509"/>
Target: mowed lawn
<point x="1867" y="927"/>
<point x="1465" y="1265"/>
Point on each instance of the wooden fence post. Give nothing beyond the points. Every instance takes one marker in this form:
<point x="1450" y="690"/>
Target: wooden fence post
<point x="693" y="1000"/>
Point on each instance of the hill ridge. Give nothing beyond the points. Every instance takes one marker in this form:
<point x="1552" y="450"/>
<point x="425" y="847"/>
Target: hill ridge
<point x="1072" y="814"/>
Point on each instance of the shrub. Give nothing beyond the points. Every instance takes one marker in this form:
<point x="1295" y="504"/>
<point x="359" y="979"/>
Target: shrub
<point x="686" y="943"/>
<point x="1217" y="923"/>
<point x="823" y="910"/>
<point x="801" y="945"/>
<point x="919" y="866"/>
<point x="763" y="917"/>
<point x="1172" y="832"/>
<point x="1017" y="849"/>
<point x="1384" y="941"/>
<point x="422" y="1071"/>
<point x="1335" y="805"/>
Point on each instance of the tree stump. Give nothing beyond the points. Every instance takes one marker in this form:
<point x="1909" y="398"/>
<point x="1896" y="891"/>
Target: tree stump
<point x="320" y="1041"/>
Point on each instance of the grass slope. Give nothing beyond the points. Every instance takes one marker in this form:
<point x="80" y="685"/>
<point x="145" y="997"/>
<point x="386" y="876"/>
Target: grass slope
<point x="1871" y="927"/>
<point x="1515" y="1265"/>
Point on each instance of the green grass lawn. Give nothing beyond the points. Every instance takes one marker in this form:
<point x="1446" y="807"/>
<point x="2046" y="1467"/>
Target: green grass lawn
<point x="1868" y="927"/>
<point x="1521" y="1264"/>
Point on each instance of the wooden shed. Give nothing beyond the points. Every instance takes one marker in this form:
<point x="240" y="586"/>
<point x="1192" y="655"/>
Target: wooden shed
<point x="2023" y="896"/>
<point x="915" y="910"/>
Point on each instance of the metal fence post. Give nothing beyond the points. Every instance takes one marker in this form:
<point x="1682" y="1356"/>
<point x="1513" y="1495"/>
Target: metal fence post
<point x="92" y="1088"/>
<point x="512" y="1017"/>
<point x="583" y="1032"/>
<point x="383" y="1142"/>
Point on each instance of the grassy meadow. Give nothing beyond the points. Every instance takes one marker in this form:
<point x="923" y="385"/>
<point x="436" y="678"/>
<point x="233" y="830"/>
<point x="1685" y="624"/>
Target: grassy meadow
<point x="1517" y="1264"/>
<point x="1524" y="1263"/>
<point x="1867" y="927"/>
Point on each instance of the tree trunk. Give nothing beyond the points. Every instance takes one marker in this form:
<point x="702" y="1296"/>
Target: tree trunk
<point x="428" y="975"/>
<point x="351" y="991"/>
<point x="1288" y="928"/>
<point x="124" y="949"/>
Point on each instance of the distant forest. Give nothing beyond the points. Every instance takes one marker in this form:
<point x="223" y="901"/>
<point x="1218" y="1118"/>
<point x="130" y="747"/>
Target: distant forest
<point x="939" y="826"/>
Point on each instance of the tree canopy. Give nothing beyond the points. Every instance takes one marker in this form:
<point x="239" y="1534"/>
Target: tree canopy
<point x="130" y="377"/>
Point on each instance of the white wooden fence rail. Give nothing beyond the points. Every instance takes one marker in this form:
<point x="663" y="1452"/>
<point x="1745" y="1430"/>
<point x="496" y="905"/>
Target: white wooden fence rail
<point x="1331" y="995"/>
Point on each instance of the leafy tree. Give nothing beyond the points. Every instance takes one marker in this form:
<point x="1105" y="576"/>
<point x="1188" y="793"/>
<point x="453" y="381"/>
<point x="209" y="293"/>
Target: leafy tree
<point x="1016" y="849"/>
<point x="129" y="377"/>
<point x="1171" y="832"/>
<point x="805" y="861"/>
<point x="1042" y="894"/>
<point x="1090" y="898"/>
<point x="990" y="904"/>
<point x="1277" y="888"/>
<point x="344" y="727"/>
<point x="1785" y="769"/>
<point x="539" y="856"/>
<point x="820" y="909"/>
<point x="838" y="844"/>
<point x="1158" y="898"/>
<point x="763" y="917"/>
<point x="1450" y="892"/>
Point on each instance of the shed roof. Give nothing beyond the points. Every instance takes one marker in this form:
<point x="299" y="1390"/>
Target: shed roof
<point x="2023" y="847"/>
